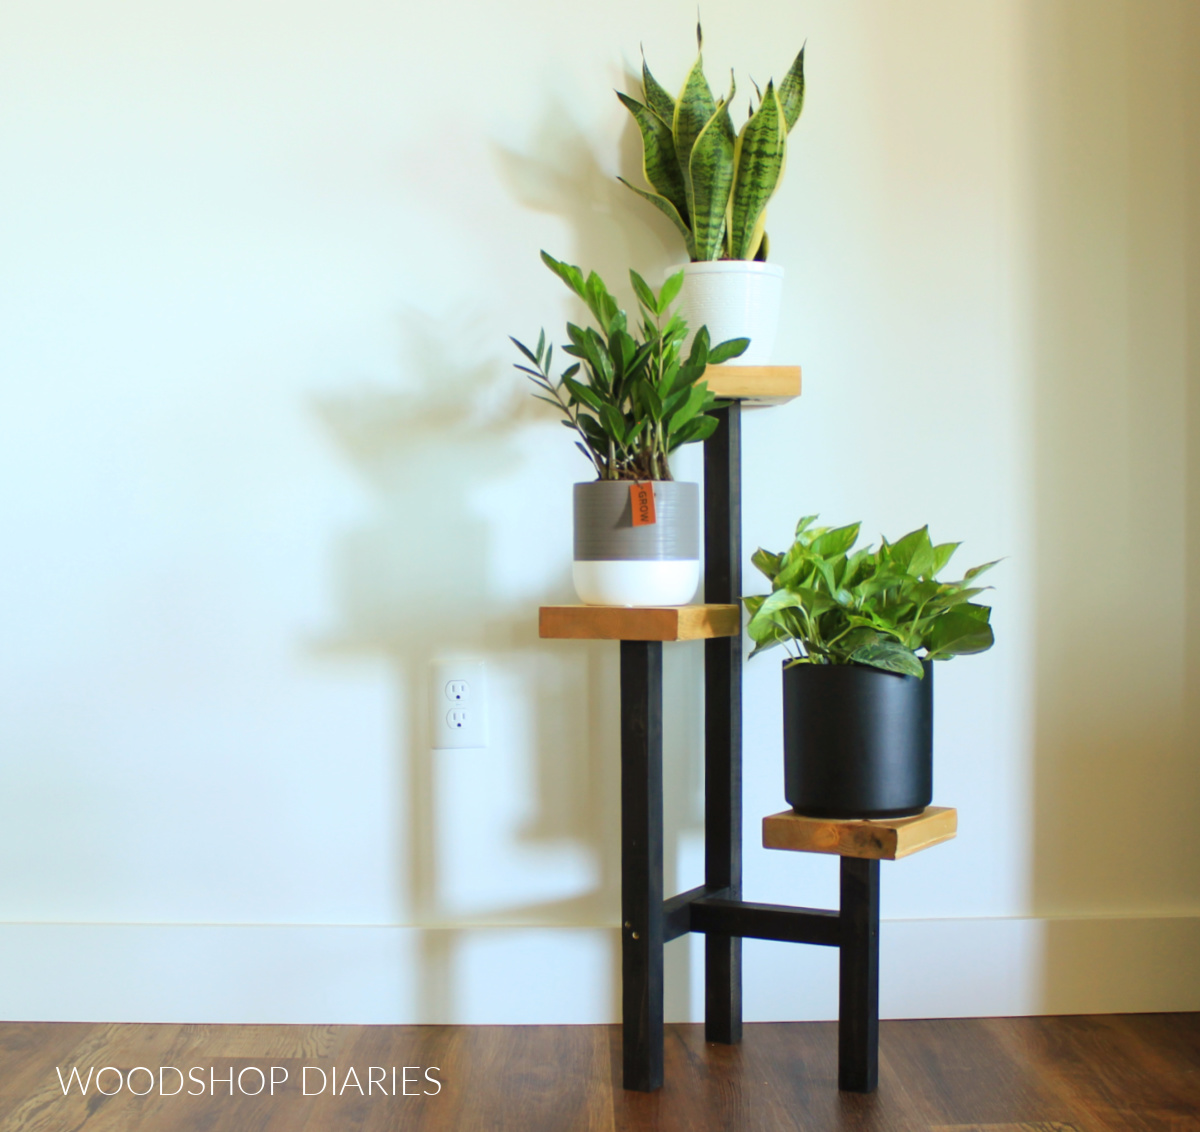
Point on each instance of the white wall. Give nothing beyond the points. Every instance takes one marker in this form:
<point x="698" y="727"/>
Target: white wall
<point x="262" y="458"/>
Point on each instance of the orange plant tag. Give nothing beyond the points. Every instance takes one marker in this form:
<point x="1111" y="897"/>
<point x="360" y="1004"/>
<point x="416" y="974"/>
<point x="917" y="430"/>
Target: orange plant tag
<point x="641" y="495"/>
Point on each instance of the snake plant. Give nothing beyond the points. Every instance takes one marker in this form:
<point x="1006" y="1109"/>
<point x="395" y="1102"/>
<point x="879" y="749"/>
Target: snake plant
<point x="711" y="183"/>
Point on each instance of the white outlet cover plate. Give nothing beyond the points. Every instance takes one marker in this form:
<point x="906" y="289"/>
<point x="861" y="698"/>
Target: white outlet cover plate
<point x="457" y="687"/>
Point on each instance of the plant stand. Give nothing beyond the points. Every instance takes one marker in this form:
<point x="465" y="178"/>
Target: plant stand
<point x="716" y="907"/>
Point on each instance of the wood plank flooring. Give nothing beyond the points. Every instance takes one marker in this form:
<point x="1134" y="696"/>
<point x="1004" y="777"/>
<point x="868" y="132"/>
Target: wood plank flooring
<point x="1111" y="1073"/>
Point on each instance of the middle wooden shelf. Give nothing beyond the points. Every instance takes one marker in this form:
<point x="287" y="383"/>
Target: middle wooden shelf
<point x="638" y="623"/>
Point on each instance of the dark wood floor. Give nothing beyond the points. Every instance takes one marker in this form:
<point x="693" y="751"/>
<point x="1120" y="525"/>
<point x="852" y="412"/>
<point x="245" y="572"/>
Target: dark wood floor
<point x="1096" y="1074"/>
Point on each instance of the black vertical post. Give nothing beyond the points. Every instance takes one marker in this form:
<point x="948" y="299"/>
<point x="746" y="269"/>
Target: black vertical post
<point x="723" y="721"/>
<point x="642" y="863"/>
<point x="858" y="991"/>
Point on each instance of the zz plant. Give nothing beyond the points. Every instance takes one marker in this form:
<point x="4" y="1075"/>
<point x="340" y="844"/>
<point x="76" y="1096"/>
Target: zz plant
<point x="881" y="607"/>
<point x="712" y="183"/>
<point x="630" y="395"/>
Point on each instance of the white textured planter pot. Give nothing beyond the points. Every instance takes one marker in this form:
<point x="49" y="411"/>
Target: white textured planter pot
<point x="617" y="563"/>
<point x="734" y="298"/>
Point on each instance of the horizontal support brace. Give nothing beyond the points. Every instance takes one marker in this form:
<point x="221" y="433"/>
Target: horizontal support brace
<point x="766" y="921"/>
<point x="677" y="912"/>
<point x="702" y="910"/>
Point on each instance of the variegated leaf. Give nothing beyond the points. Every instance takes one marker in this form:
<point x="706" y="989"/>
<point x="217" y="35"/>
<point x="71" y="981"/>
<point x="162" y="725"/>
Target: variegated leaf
<point x="693" y="110"/>
<point x="660" y="166"/>
<point x="711" y="173"/>
<point x="669" y="211"/>
<point x="659" y="101"/>
<point x="791" y="91"/>
<point x="759" y="156"/>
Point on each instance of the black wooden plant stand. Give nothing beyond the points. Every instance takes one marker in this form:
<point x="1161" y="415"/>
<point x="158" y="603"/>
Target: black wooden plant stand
<point x="716" y="908"/>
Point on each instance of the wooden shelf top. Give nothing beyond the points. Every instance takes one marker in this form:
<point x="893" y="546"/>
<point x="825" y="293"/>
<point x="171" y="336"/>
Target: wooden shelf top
<point x="755" y="385"/>
<point x="884" y="840"/>
<point x="648" y="623"/>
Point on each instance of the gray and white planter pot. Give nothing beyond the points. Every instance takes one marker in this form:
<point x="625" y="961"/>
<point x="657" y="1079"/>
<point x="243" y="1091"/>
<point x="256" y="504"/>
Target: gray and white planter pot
<point x="617" y="563"/>
<point x="734" y="298"/>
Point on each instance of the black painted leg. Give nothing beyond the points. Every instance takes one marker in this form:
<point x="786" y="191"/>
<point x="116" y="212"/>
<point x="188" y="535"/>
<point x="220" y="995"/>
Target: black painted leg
<point x="858" y="997"/>
<point x="642" y="863"/>
<point x="723" y="723"/>
<point x="723" y="834"/>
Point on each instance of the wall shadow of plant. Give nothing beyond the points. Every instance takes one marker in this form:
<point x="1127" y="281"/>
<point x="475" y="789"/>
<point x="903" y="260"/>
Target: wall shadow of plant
<point x="412" y="585"/>
<point x="610" y="230"/>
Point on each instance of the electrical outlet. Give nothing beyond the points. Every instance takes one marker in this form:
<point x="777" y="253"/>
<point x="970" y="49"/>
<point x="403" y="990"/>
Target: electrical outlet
<point x="457" y="704"/>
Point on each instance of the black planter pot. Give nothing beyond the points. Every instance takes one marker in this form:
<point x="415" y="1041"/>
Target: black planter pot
<point x="857" y="741"/>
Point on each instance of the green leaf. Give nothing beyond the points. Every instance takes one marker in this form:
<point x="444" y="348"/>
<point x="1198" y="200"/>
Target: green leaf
<point x="669" y="211"/>
<point x="975" y="571"/>
<point x="594" y="431"/>
<point x="711" y="171"/>
<point x="952" y="597"/>
<point x="791" y="91"/>
<point x="903" y="550"/>
<point x="581" y="393"/>
<point x="694" y="404"/>
<point x="889" y="656"/>
<point x="733" y="348"/>
<point x="758" y="158"/>
<point x="697" y="361"/>
<point x="642" y="290"/>
<point x="659" y="101"/>
<point x="571" y="276"/>
<point x="613" y="422"/>
<point x="669" y="292"/>
<point x="622" y="349"/>
<point x="602" y="304"/>
<point x="942" y="553"/>
<point x="524" y="349"/>
<point x="693" y="109"/>
<point x="701" y="428"/>
<point x="837" y="541"/>
<point x="780" y="599"/>
<point x="766" y="562"/>
<point x="654" y="405"/>
<point x="798" y="565"/>
<point x="958" y="632"/>
<point x="660" y="165"/>
<point x="856" y="566"/>
<point x="921" y="565"/>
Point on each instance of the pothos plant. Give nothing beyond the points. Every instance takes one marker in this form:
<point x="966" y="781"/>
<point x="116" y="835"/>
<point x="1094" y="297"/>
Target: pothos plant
<point x="711" y="182"/>
<point x="881" y="607"/>
<point x="631" y="396"/>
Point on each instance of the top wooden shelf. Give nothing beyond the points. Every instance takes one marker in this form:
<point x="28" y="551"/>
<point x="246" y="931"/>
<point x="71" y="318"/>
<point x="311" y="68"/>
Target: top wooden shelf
<point x="755" y="385"/>
<point x="884" y="840"/>
<point x="644" y="623"/>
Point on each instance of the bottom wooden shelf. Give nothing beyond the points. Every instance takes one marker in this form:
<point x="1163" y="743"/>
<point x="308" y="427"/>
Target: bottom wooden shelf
<point x="883" y="840"/>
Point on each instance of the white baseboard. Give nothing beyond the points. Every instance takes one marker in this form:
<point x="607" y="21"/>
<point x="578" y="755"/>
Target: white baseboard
<point x="510" y="975"/>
